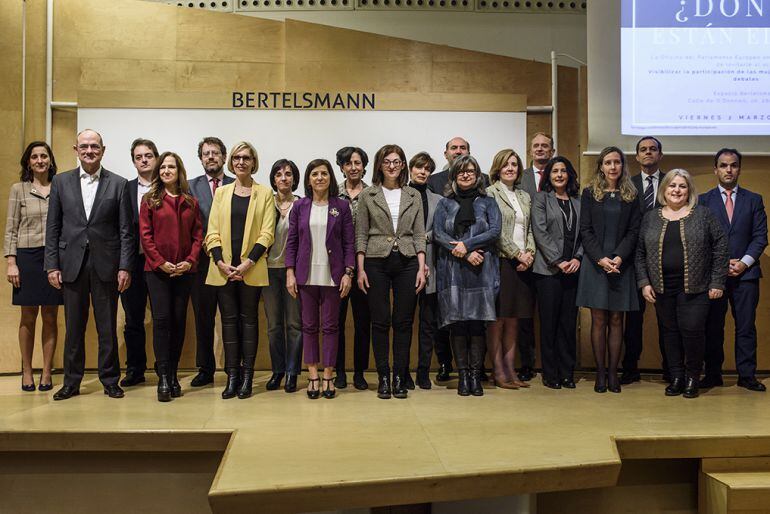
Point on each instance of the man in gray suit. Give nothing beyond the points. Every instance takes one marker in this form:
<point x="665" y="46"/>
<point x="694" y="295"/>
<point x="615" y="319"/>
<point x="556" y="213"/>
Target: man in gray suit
<point x="212" y="153"/>
<point x="541" y="151"/>
<point x="649" y="153"/>
<point x="89" y="252"/>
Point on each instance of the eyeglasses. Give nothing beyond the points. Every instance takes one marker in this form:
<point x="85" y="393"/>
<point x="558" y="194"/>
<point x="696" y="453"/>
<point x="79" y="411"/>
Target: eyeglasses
<point x="241" y="158"/>
<point x="466" y="172"/>
<point x="396" y="164"/>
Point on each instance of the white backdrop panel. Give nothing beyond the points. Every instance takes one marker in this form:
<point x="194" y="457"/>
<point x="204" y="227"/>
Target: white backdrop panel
<point x="301" y="135"/>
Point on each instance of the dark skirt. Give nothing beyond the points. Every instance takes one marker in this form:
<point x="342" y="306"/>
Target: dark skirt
<point x="517" y="295"/>
<point x="35" y="289"/>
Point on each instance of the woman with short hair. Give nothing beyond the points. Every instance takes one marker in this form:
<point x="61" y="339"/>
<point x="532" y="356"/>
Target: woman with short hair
<point x="466" y="228"/>
<point x="284" y="326"/>
<point x="681" y="264"/>
<point x="516" y="250"/>
<point x="241" y="229"/>
<point x="319" y="268"/>
<point x="390" y="246"/>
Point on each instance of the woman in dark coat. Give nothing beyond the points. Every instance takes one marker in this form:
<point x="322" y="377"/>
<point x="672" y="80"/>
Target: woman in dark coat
<point x="466" y="227"/>
<point x="609" y="226"/>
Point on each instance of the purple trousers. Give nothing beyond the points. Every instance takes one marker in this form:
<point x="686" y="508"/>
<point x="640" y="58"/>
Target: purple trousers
<point x="325" y="299"/>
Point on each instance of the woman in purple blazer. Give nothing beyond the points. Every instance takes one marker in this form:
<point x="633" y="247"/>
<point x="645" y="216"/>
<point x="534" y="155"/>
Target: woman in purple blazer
<point x="320" y="255"/>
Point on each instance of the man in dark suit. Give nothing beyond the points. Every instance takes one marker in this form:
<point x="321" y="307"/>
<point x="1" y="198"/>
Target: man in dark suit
<point x="541" y="150"/>
<point x="89" y="252"/>
<point x="741" y="214"/>
<point x="649" y="153"/>
<point x="212" y="153"/>
<point x="144" y="155"/>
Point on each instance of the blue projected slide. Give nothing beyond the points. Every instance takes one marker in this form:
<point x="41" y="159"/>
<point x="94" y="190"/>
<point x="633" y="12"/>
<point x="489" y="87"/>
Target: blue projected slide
<point x="695" y="67"/>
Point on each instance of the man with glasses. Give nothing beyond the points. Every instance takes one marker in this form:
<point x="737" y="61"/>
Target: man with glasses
<point x="212" y="153"/>
<point x="89" y="252"/>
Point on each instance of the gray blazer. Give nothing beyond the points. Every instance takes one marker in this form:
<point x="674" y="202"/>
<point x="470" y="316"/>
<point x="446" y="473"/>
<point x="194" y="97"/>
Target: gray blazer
<point x="430" y="255"/>
<point x="374" y="226"/>
<point x="107" y="233"/>
<point x="528" y="182"/>
<point x="548" y="227"/>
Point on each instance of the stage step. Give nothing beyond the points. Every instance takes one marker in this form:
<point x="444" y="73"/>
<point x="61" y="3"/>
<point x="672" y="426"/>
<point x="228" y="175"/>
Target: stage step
<point x="735" y="486"/>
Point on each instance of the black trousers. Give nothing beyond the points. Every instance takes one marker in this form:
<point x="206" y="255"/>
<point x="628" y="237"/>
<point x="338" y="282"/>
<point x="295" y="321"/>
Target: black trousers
<point x="683" y="318"/>
<point x="240" y="325"/>
<point x="362" y="330"/>
<point x="429" y="336"/>
<point x="558" y="323"/>
<point x="743" y="297"/>
<point x="169" y="297"/>
<point x="397" y="273"/>
<point x="634" y="339"/>
<point x="204" y="301"/>
<point x="89" y="288"/>
<point x="134" y="301"/>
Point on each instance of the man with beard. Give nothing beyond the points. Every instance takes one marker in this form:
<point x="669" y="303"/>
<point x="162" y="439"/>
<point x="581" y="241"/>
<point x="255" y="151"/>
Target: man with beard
<point x="212" y="153"/>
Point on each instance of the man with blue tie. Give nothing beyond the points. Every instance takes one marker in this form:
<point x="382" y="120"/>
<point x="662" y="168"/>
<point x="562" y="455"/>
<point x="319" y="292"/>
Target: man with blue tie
<point x="212" y="153"/>
<point x="649" y="153"/>
<point x="741" y="214"/>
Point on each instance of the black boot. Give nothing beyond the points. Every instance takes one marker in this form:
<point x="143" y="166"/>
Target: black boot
<point x="247" y="377"/>
<point x="176" y="387"/>
<point x="290" y="385"/>
<point x="231" y="388"/>
<point x="464" y="385"/>
<point x="460" y="351"/>
<point x="475" y="383"/>
<point x="443" y="372"/>
<point x="164" y="388"/>
<point x="383" y="388"/>
<point x="399" y="385"/>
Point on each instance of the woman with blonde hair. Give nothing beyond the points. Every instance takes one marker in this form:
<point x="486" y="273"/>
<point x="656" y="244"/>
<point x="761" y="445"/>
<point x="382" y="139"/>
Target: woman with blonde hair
<point x="241" y="229"/>
<point x="681" y="264"/>
<point x="171" y="235"/>
<point x="516" y="249"/>
<point x="609" y="226"/>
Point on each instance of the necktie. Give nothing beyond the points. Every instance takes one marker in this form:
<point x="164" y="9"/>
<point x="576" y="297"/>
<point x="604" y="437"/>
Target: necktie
<point x="538" y="178"/>
<point x="649" y="195"/>
<point x="729" y="206"/>
<point x="214" y="185"/>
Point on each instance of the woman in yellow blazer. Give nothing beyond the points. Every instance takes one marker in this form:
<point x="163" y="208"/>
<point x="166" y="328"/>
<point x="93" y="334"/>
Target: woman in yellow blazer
<point x="241" y="227"/>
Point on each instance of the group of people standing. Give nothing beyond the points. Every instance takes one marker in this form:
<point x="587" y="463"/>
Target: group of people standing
<point x="478" y="253"/>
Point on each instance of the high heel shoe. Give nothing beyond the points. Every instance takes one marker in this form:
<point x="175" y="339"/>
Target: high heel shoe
<point x="600" y="385"/>
<point x="313" y="393"/>
<point x="28" y="387"/>
<point x="328" y="391"/>
<point x="43" y="386"/>
<point x="613" y="383"/>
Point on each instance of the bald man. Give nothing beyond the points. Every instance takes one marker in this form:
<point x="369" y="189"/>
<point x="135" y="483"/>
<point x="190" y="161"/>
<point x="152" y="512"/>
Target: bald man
<point x="89" y="252"/>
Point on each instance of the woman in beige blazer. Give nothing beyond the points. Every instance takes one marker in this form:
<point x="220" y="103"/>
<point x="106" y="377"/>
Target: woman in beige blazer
<point x="241" y="229"/>
<point x="390" y="248"/>
<point x="516" y="248"/>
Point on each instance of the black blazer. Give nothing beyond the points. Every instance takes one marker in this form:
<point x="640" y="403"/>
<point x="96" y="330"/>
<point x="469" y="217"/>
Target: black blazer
<point x="637" y="180"/>
<point x="592" y="229"/>
<point x="108" y="233"/>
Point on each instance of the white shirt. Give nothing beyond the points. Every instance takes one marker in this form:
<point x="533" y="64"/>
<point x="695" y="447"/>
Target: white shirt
<point x="393" y="198"/>
<point x="748" y="260"/>
<point x="655" y="183"/>
<point x="519" y="230"/>
<point x="88" y="186"/>
<point x="320" y="271"/>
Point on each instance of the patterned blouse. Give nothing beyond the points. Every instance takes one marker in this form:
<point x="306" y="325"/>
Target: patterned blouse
<point x="27" y="213"/>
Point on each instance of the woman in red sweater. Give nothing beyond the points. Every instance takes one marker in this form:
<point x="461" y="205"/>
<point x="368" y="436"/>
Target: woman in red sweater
<point x="171" y="235"/>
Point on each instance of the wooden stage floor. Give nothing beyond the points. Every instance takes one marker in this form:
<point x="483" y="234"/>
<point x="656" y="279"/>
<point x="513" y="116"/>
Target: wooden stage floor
<point x="286" y="453"/>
